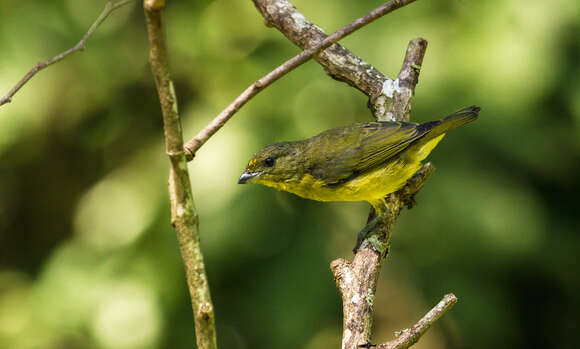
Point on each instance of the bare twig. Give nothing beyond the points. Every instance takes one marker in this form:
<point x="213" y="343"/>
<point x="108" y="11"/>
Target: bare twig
<point x="110" y="6"/>
<point x="183" y="214"/>
<point x="410" y="336"/>
<point x="193" y="145"/>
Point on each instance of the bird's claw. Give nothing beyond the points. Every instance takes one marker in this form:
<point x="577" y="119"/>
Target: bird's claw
<point x="365" y="232"/>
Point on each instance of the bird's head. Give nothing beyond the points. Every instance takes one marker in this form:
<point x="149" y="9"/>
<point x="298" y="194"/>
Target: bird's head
<point x="274" y="165"/>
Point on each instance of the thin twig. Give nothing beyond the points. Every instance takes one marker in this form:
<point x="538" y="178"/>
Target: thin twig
<point x="110" y="6"/>
<point x="193" y="145"/>
<point x="410" y="336"/>
<point x="183" y="214"/>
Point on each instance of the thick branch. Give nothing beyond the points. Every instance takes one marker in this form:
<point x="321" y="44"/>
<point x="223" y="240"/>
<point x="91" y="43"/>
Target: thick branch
<point x="357" y="283"/>
<point x="193" y="145"/>
<point x="337" y="61"/>
<point x="110" y="6"/>
<point x="183" y="214"/>
<point x="410" y="336"/>
<point x="341" y="64"/>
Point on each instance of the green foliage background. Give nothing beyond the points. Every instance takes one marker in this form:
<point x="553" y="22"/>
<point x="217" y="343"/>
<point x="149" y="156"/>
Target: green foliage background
<point x="88" y="258"/>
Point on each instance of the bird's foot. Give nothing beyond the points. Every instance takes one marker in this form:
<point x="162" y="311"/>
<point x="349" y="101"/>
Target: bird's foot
<point x="365" y="232"/>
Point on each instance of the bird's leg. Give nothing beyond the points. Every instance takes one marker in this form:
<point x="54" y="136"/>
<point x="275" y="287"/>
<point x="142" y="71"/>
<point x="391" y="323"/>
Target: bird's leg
<point x="379" y="208"/>
<point x="365" y="232"/>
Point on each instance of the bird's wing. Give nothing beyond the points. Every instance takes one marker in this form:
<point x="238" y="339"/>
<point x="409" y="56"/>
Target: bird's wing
<point x="360" y="147"/>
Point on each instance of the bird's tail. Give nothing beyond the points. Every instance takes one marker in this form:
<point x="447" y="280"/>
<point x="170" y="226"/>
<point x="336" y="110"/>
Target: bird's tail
<point x="435" y="130"/>
<point x="460" y="117"/>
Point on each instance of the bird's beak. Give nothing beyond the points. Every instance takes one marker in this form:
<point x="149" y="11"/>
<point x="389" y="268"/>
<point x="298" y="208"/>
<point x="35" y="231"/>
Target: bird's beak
<point x="247" y="177"/>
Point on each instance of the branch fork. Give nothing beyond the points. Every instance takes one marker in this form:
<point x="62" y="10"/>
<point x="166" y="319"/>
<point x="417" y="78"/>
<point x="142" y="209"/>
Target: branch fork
<point x="389" y="100"/>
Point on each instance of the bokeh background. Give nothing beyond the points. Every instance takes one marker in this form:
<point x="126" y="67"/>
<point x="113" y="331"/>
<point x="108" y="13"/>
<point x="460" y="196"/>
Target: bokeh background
<point x="88" y="258"/>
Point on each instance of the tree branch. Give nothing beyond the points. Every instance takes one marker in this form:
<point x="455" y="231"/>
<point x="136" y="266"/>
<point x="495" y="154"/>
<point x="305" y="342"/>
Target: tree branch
<point x="357" y="280"/>
<point x="338" y="62"/>
<point x="193" y="145"/>
<point x="394" y="103"/>
<point x="110" y="6"/>
<point x="342" y="65"/>
<point x="376" y="246"/>
<point x="183" y="214"/>
<point x="410" y="336"/>
<point x="389" y="100"/>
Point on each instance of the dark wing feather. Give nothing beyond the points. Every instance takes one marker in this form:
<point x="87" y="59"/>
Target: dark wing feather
<point x="354" y="149"/>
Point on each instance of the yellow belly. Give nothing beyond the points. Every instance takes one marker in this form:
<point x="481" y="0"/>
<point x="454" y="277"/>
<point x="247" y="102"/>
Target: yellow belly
<point x="370" y="186"/>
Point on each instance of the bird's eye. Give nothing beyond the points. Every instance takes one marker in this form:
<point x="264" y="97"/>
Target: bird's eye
<point x="269" y="162"/>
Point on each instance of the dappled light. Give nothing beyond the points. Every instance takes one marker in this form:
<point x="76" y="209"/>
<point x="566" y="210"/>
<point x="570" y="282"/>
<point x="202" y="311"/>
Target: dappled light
<point x="89" y="259"/>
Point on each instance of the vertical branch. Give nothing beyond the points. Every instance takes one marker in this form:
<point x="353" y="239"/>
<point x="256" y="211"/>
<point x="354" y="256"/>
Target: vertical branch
<point x="408" y="78"/>
<point x="357" y="280"/>
<point x="357" y="283"/>
<point x="183" y="214"/>
<point x="375" y="248"/>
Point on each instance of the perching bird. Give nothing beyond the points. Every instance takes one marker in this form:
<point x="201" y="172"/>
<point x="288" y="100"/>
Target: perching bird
<point x="359" y="162"/>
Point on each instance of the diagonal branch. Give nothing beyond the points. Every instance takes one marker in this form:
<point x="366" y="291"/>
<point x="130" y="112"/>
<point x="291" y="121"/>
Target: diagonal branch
<point x="183" y="214"/>
<point x="110" y="6"/>
<point x="193" y="145"/>
<point x="410" y="336"/>
<point x="342" y="65"/>
<point x="338" y="62"/>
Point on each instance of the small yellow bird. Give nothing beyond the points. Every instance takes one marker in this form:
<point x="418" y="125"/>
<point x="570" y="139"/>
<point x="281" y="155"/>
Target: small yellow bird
<point x="360" y="162"/>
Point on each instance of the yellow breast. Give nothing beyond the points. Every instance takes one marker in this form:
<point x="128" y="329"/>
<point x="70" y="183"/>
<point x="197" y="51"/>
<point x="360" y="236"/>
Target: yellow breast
<point x="370" y="186"/>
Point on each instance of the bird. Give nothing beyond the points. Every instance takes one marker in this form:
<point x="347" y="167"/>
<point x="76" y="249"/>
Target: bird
<point x="364" y="161"/>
